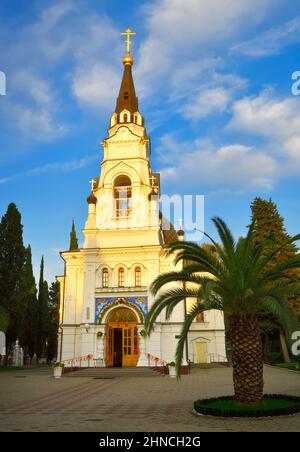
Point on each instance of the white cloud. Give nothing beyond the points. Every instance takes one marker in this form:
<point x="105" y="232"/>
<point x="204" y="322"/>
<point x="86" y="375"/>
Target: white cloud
<point x="43" y="41"/>
<point x="33" y="107"/>
<point x="214" y="95"/>
<point x="65" y="34"/>
<point x="183" y="32"/>
<point x="292" y="147"/>
<point x="270" y="42"/>
<point x="36" y="124"/>
<point x="56" y="167"/>
<point x="267" y="116"/>
<point x="276" y="121"/>
<point x="186" y="76"/>
<point x="273" y="120"/>
<point x="207" y="102"/>
<point x="234" y="166"/>
<point x="31" y="85"/>
<point x="96" y="86"/>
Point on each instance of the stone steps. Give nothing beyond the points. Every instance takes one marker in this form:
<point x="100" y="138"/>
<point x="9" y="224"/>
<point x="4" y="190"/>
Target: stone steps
<point x="108" y="373"/>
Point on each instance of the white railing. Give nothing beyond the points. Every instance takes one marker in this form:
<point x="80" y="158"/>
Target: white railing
<point x="216" y="358"/>
<point x="82" y="361"/>
<point x="155" y="360"/>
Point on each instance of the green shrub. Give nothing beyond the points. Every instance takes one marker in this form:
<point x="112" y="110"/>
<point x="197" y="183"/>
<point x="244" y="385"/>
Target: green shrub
<point x="274" y="357"/>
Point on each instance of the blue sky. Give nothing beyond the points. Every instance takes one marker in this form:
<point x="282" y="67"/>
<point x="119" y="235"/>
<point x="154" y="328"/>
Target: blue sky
<point x="214" y="84"/>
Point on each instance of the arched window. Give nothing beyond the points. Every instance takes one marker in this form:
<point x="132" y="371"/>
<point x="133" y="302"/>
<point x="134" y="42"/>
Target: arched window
<point x="122" y="196"/>
<point x="125" y="118"/>
<point x="104" y="278"/>
<point x="121" y="277"/>
<point x="136" y="119"/>
<point x="138" y="277"/>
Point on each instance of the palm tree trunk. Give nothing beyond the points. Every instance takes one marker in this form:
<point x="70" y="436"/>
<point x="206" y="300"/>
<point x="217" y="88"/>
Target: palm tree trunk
<point x="284" y="348"/>
<point x="247" y="360"/>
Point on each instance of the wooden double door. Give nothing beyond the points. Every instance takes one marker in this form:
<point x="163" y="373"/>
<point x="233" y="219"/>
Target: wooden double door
<point x="122" y="342"/>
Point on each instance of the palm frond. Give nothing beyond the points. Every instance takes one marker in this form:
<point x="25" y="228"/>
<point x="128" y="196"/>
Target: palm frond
<point x="173" y="296"/>
<point x="225" y="235"/>
<point x="276" y="305"/>
<point x="185" y="275"/>
<point x="198" y="308"/>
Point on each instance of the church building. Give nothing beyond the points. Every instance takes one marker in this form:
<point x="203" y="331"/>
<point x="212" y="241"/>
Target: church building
<point x="105" y="296"/>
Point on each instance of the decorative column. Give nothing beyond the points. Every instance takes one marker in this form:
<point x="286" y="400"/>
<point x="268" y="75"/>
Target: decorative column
<point x="143" y="360"/>
<point x="100" y="347"/>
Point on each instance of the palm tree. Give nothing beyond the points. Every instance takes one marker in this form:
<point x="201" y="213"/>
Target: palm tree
<point x="236" y="278"/>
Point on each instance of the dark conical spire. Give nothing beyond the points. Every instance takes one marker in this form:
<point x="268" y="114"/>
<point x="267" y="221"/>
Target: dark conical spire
<point x="127" y="99"/>
<point x="73" y="239"/>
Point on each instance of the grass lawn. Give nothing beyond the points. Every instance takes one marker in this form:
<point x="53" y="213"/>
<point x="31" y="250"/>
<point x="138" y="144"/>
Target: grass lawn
<point x="271" y="405"/>
<point x="267" y="404"/>
<point x="291" y="366"/>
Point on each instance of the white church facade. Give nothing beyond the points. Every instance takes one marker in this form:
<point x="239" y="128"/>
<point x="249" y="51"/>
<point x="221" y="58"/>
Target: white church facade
<point x="105" y="296"/>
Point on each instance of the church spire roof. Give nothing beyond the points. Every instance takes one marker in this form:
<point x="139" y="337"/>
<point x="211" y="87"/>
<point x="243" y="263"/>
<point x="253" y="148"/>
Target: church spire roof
<point x="127" y="99"/>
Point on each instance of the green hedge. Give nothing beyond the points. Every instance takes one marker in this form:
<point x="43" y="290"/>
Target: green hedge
<point x="272" y="405"/>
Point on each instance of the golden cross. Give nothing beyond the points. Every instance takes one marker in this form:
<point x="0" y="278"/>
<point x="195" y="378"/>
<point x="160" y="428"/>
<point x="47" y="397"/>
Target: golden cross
<point x="128" y="33"/>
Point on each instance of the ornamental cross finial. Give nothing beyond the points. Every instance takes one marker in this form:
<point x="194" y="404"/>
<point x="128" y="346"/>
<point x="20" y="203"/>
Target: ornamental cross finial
<point x="128" y="33"/>
<point x="152" y="180"/>
<point x="92" y="182"/>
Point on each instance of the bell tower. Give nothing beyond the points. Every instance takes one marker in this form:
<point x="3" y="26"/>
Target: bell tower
<point x="123" y="205"/>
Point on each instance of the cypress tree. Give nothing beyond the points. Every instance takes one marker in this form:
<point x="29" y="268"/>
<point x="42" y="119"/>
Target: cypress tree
<point x="73" y="239"/>
<point x="53" y="321"/>
<point x="4" y="320"/>
<point x="28" y="314"/>
<point x="12" y="255"/>
<point x="270" y="229"/>
<point x="42" y="314"/>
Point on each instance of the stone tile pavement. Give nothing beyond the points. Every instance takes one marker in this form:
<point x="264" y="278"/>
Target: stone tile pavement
<point x="35" y="401"/>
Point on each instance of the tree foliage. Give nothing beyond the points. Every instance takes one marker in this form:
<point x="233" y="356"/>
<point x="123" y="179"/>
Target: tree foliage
<point x="12" y="254"/>
<point x="4" y="319"/>
<point x="53" y="321"/>
<point x="73" y="239"/>
<point x="27" y="315"/>
<point x="269" y="229"/>
<point x="240" y="279"/>
<point x="42" y="315"/>
<point x="22" y="316"/>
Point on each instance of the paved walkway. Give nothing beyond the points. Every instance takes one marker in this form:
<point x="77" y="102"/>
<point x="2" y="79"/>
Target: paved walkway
<point x="34" y="401"/>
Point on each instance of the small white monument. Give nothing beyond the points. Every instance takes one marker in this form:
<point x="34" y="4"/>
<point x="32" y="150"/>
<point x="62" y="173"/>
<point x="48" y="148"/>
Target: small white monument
<point x="2" y="346"/>
<point x="18" y="355"/>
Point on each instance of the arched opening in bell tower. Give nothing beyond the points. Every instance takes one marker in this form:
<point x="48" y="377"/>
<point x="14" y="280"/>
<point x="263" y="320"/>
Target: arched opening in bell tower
<point x="122" y="196"/>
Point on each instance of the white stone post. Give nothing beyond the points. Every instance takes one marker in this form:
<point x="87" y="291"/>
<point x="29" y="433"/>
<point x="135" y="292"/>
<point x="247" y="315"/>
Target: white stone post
<point x="18" y="355"/>
<point x="143" y="360"/>
<point x="100" y="346"/>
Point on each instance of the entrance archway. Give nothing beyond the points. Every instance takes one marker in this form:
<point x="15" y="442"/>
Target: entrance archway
<point x="122" y="342"/>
